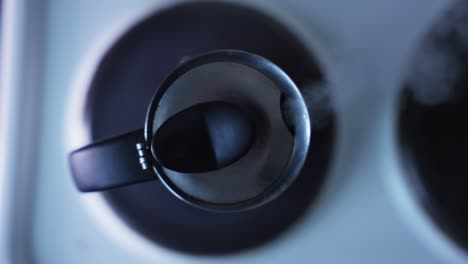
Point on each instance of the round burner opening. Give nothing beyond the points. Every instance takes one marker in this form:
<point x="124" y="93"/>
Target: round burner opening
<point x="433" y="123"/>
<point x="138" y="62"/>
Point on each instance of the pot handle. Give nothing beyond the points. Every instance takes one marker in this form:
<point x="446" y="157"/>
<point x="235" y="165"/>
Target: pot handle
<point x="111" y="163"/>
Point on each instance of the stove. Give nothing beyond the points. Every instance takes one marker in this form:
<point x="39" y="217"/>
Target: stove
<point x="363" y="204"/>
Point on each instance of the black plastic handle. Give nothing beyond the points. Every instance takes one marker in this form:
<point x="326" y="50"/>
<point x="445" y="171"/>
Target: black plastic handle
<point x="109" y="164"/>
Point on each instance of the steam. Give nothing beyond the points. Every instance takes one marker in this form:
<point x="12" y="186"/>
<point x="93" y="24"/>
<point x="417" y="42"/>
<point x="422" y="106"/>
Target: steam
<point x="440" y="61"/>
<point x="317" y="97"/>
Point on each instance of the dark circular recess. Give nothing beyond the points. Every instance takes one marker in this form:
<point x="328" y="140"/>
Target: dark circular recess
<point x="122" y="88"/>
<point x="433" y="129"/>
<point x="435" y="144"/>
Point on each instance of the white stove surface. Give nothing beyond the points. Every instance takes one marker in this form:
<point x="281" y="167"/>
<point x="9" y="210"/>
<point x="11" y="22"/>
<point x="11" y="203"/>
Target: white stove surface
<point x="365" y="213"/>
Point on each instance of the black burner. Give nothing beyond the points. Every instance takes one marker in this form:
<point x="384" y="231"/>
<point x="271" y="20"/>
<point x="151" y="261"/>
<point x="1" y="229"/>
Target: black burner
<point x="134" y="67"/>
<point x="434" y="123"/>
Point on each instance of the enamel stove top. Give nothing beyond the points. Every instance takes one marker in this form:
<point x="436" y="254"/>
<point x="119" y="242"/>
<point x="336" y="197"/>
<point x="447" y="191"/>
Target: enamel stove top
<point x="366" y="210"/>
